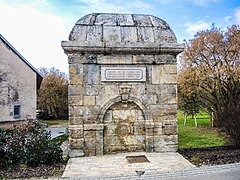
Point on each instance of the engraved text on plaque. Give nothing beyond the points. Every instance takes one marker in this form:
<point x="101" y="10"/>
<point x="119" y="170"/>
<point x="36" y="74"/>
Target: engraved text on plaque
<point x="123" y="73"/>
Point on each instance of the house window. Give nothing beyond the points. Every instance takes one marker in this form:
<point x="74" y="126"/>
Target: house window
<point x="16" y="111"/>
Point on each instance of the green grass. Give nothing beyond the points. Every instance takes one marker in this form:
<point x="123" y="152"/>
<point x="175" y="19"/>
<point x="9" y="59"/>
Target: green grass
<point x="55" y="123"/>
<point x="204" y="135"/>
<point x="60" y="139"/>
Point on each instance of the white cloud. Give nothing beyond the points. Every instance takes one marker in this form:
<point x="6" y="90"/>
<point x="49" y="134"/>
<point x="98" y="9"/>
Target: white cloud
<point x="116" y="6"/>
<point x="35" y="34"/>
<point x="204" y="2"/>
<point x="192" y="29"/>
<point x="237" y="16"/>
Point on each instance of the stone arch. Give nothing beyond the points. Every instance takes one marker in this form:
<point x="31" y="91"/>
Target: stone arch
<point x="111" y="102"/>
<point x="141" y="141"/>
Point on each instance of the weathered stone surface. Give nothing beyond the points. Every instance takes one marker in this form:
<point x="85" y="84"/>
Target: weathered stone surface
<point x="91" y="114"/>
<point x="121" y="112"/>
<point x="171" y="139"/>
<point x="168" y="94"/>
<point x="75" y="90"/>
<point x="75" y="74"/>
<point x="76" y="132"/>
<point x="74" y="153"/>
<point x="142" y="28"/>
<point x="91" y="74"/>
<point x="90" y="147"/>
<point x="163" y="74"/>
<point x="76" y="143"/>
<point x="114" y="59"/>
<point x="89" y="100"/>
<point x="76" y="111"/>
<point x="75" y="100"/>
<point x="169" y="128"/>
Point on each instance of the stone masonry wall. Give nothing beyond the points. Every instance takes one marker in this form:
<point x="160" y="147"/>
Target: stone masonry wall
<point x="87" y="95"/>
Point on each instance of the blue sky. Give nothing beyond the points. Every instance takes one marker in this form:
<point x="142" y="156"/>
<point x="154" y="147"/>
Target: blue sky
<point x="37" y="27"/>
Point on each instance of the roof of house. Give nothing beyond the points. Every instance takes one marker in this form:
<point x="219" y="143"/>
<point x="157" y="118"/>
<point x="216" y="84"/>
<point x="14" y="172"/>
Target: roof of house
<point x="39" y="75"/>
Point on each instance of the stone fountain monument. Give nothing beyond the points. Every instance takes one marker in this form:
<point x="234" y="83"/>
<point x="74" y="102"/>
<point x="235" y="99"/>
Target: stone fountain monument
<point x="122" y="84"/>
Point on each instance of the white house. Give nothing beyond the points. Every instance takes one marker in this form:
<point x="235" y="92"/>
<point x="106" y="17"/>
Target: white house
<point x="19" y="82"/>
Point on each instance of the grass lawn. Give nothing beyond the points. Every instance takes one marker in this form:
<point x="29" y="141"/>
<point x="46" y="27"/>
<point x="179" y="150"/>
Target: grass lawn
<point x="204" y="135"/>
<point x="55" y="123"/>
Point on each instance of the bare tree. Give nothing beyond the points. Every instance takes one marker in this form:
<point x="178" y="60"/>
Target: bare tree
<point x="53" y="93"/>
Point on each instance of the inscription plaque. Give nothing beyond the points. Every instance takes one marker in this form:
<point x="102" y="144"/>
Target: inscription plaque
<point x="123" y="73"/>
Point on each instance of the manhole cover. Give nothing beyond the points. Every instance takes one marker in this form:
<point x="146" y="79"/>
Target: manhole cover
<point x="137" y="159"/>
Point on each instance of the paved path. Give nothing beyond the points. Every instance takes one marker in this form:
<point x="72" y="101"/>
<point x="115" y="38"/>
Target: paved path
<point x="162" y="166"/>
<point x="115" y="165"/>
<point x="220" y="172"/>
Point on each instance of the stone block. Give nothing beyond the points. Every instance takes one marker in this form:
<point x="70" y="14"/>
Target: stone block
<point x="108" y="118"/>
<point x="75" y="153"/>
<point x="90" y="134"/>
<point x="170" y="128"/>
<point x="165" y="59"/>
<point x="75" y="100"/>
<point x="140" y="116"/>
<point x="91" y="74"/>
<point x="114" y="59"/>
<point x="171" y="139"/>
<point x="111" y="91"/>
<point x="76" y="143"/>
<point x="150" y="131"/>
<point x="142" y="59"/>
<point x="164" y="74"/>
<point x="157" y="130"/>
<point x="170" y="112"/>
<point x="138" y="91"/>
<point x="74" y="90"/>
<point x="76" y="131"/>
<point x="150" y="99"/>
<point x="89" y="100"/>
<point x="139" y="129"/>
<point x="77" y="111"/>
<point x="75" y="74"/>
<point x="112" y="33"/>
<point x="75" y="121"/>
<point x="90" y="151"/>
<point x="157" y="112"/>
<point x="145" y="34"/>
<point x="90" y="143"/>
<point x="93" y="33"/>
<point x="129" y="34"/>
<point x="91" y="115"/>
<point x="168" y="94"/>
<point x="149" y="143"/>
<point x="93" y="127"/>
<point x="169" y="148"/>
<point x="93" y="90"/>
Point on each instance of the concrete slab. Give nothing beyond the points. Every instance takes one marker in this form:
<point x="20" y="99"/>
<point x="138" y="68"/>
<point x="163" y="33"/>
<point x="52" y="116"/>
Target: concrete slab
<point x="117" y="164"/>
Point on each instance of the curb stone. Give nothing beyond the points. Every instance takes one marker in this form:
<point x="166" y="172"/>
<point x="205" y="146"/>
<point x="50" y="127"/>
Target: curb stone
<point x="166" y="175"/>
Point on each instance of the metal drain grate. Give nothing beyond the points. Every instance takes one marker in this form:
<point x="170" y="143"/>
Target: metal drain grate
<point x="137" y="159"/>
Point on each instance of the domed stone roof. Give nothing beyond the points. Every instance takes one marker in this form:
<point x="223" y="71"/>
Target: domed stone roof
<point x="122" y="34"/>
<point x="122" y="28"/>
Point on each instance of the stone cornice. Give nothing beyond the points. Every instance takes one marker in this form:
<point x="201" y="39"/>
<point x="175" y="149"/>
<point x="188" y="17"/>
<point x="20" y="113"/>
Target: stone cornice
<point x="122" y="48"/>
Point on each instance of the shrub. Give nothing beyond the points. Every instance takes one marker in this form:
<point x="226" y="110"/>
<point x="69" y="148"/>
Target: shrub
<point x="29" y="145"/>
<point x="230" y="122"/>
